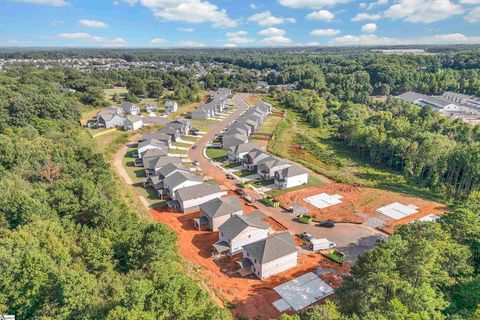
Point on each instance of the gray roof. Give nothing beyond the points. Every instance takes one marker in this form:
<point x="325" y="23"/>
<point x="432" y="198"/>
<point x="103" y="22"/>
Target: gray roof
<point x="411" y="96"/>
<point x="257" y="153"/>
<point x="154" y="142"/>
<point x="135" y="119"/>
<point x="221" y="207"/>
<point x="271" y="248"/>
<point x="271" y="162"/>
<point x="158" y="135"/>
<point x="180" y="177"/>
<point x="236" y="224"/>
<point x="160" y="162"/>
<point x="171" y="167"/>
<point x="237" y="137"/>
<point x="198" y="191"/>
<point x="154" y="153"/>
<point x="170" y="130"/>
<point x="292" y="171"/>
<point x="244" y="147"/>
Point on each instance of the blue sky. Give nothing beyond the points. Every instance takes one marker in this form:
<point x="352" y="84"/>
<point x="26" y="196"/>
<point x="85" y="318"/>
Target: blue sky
<point x="237" y="23"/>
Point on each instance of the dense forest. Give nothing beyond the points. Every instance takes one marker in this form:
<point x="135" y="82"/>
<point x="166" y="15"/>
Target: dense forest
<point x="71" y="245"/>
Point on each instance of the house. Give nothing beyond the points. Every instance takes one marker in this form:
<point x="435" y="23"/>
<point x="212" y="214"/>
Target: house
<point x="269" y="256"/>
<point x="154" y="182"/>
<point x="158" y="135"/>
<point x="150" y="154"/>
<point x="153" y="166"/>
<point x="251" y="159"/>
<point x="133" y="123"/>
<point x="267" y="167"/>
<point x="233" y="140"/>
<point x="130" y="108"/>
<point x="171" y="168"/>
<point x="241" y="230"/>
<point x="236" y="153"/>
<point x="110" y="117"/>
<point x="170" y="107"/>
<point x="179" y="180"/>
<point x="172" y="132"/>
<point x="290" y="177"/>
<point x="216" y="211"/>
<point x="205" y="112"/>
<point x="151" y="107"/>
<point x="189" y="199"/>
<point x="149" y="144"/>
<point x="183" y="125"/>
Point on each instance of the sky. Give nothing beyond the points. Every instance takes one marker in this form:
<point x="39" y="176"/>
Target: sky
<point x="236" y="23"/>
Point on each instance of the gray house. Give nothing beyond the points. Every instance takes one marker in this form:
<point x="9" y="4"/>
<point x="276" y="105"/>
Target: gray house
<point x="130" y="108"/>
<point x="173" y="132"/>
<point x="267" y="167"/>
<point x="159" y="136"/>
<point x="190" y="198"/>
<point x="215" y="212"/>
<point x="110" y="117"/>
<point x="269" y="256"/>
<point x="184" y="125"/>
<point x="152" y="166"/>
<point x="133" y="123"/>
<point x="240" y="230"/>
<point x="233" y="140"/>
<point x="148" y="155"/>
<point x="236" y="153"/>
<point x="251" y="159"/>
<point x="179" y="180"/>
<point x="170" y="107"/>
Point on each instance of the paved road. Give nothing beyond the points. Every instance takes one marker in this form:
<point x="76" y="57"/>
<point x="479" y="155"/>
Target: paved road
<point x="352" y="239"/>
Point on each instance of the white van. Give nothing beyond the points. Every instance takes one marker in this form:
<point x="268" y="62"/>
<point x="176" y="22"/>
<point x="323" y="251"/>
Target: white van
<point x="321" y="244"/>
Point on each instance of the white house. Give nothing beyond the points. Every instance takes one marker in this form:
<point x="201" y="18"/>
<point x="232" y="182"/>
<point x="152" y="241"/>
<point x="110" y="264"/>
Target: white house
<point x="189" y="199"/>
<point x="133" y="123"/>
<point x="239" y="231"/>
<point x="269" y="256"/>
<point x="251" y="159"/>
<point x="290" y="177"/>
<point x="216" y="211"/>
<point x="151" y="107"/>
<point x="149" y="144"/>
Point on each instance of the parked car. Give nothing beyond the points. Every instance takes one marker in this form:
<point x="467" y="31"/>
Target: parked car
<point x="196" y="162"/>
<point x="306" y="236"/>
<point x="327" y="224"/>
<point x="230" y="177"/>
<point x="194" y="147"/>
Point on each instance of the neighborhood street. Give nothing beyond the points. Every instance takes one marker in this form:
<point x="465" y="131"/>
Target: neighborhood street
<point x="352" y="239"/>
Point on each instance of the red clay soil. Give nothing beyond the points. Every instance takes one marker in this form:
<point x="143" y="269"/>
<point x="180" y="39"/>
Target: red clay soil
<point x="358" y="201"/>
<point x="250" y="296"/>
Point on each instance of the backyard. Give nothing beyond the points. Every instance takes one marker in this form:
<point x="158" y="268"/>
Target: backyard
<point x="216" y="154"/>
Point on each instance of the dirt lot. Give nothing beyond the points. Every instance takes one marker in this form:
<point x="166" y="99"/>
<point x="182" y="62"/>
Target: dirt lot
<point x="249" y="296"/>
<point x="360" y="203"/>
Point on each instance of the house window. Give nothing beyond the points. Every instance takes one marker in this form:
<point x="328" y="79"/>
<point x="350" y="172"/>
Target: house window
<point x="255" y="260"/>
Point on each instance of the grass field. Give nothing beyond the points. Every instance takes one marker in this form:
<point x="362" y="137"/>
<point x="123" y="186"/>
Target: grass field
<point x="110" y="92"/>
<point x="334" y="160"/>
<point x="216" y="153"/>
<point x="244" y="173"/>
<point x="174" y="151"/>
<point x="190" y="138"/>
<point x="203" y="125"/>
<point x="181" y="144"/>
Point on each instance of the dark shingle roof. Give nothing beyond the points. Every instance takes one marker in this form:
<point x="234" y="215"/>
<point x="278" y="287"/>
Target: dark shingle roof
<point x="292" y="171"/>
<point x="198" y="191"/>
<point x="180" y="177"/>
<point x="271" y="248"/>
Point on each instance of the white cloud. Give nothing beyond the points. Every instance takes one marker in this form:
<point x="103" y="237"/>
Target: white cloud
<point x="313" y="4"/>
<point x="271" y="32"/>
<point x="54" y="3"/>
<point x="373" y="40"/>
<point x="266" y="19"/>
<point x="253" y="5"/>
<point x="313" y="44"/>
<point x="91" y="39"/>
<point x="92" y="23"/>
<point x="186" y="29"/>
<point x="229" y="45"/>
<point x="324" y="32"/>
<point x="473" y="15"/>
<point x="423" y="11"/>
<point x="129" y="2"/>
<point x="193" y="11"/>
<point x="324" y="15"/>
<point x="276" y="40"/>
<point x="236" y="34"/>
<point x="157" y="42"/>
<point x="369" y="28"/>
<point x="365" y="16"/>
<point x="374" y="4"/>
<point x="190" y="44"/>
<point x="470" y="1"/>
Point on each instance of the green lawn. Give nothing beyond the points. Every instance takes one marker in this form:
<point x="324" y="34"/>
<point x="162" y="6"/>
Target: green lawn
<point x="216" y="153"/>
<point x="261" y="183"/>
<point x="110" y="92"/>
<point x="181" y="144"/>
<point x="231" y="165"/>
<point x="244" y="173"/>
<point x="174" y="151"/>
<point x="190" y="138"/>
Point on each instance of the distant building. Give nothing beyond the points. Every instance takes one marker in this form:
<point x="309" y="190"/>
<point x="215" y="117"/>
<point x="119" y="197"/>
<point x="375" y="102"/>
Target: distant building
<point x="151" y="107"/>
<point x="133" y="123"/>
<point x="170" y="107"/>
<point x="130" y="108"/>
